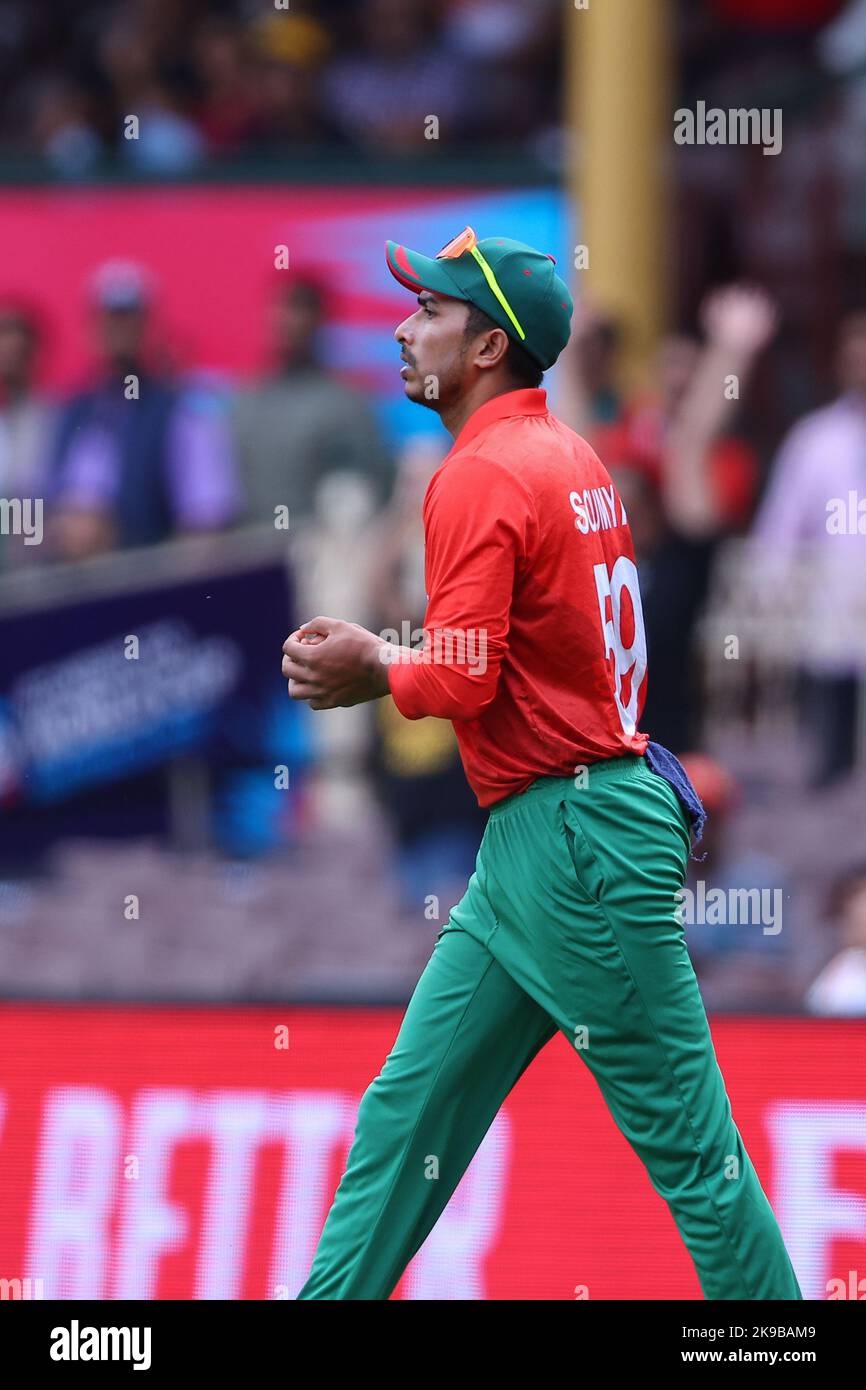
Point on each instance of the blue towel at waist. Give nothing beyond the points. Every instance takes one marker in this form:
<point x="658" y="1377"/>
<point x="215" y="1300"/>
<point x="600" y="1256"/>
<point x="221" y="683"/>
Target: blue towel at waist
<point x="663" y="762"/>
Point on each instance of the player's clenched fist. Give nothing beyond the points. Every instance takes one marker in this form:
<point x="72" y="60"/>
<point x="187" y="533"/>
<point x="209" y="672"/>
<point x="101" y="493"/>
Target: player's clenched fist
<point x="331" y="663"/>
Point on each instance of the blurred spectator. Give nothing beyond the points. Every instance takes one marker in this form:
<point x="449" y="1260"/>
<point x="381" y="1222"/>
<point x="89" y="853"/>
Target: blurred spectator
<point x="416" y="766"/>
<point x="62" y="129"/>
<point x="736" y="911"/>
<point x="514" y="50"/>
<point x="26" y="421"/>
<point x="138" y="457"/>
<point x="684" y="479"/>
<point x="686" y="427"/>
<point x="226" y="109"/>
<point x="691" y="507"/>
<point x="288" y="110"/>
<point x="165" y="139"/>
<point x="820" y="466"/>
<point x="592" y="398"/>
<point x="402" y="73"/>
<point x="145" y="54"/>
<point x="301" y="424"/>
<point x="840" y="988"/>
<point x="599" y="344"/>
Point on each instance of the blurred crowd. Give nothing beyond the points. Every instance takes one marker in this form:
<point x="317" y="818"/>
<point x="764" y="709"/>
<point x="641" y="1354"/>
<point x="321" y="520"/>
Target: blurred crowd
<point x="168" y="86"/>
<point x="143" y="453"/>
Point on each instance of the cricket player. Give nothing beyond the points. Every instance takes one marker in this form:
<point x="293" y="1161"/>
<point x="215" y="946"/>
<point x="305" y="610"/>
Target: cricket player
<point x="534" y="647"/>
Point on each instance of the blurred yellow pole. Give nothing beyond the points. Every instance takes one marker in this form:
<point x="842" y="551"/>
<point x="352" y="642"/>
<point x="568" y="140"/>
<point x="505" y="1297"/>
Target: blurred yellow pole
<point x="619" y="114"/>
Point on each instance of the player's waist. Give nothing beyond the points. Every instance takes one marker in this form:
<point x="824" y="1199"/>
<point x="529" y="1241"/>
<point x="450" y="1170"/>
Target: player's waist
<point x="622" y="768"/>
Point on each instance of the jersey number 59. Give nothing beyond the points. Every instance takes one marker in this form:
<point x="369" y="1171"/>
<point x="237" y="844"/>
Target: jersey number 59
<point x="624" y="633"/>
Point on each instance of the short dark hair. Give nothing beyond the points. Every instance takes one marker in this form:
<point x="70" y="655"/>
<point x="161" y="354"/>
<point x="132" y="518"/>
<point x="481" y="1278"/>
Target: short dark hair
<point x="522" y="368"/>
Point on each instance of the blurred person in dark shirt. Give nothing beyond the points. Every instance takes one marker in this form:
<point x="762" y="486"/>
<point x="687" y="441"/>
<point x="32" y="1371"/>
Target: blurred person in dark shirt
<point x="26" y="422"/>
<point x="139" y="456"/>
<point x="302" y="423"/>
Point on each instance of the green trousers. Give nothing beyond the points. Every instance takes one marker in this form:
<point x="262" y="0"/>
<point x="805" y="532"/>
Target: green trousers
<point x="570" y="922"/>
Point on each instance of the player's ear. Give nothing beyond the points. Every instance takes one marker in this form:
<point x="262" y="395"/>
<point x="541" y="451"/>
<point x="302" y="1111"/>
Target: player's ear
<point x="491" y="348"/>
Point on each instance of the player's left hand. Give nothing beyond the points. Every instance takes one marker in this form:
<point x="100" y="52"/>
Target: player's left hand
<point x="334" y="664"/>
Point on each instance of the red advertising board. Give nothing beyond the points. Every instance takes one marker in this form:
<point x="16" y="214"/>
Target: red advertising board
<point x="216" y="256"/>
<point x="192" y="1152"/>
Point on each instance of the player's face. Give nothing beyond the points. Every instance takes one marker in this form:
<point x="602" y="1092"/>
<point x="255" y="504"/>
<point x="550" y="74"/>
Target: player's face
<point x="433" y="350"/>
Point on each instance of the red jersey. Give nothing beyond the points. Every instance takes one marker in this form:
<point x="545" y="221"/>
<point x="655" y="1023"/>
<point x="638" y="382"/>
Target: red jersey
<point x="534" y="641"/>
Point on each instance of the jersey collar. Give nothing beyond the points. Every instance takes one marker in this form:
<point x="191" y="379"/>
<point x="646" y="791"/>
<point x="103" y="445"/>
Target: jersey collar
<point x="530" y="400"/>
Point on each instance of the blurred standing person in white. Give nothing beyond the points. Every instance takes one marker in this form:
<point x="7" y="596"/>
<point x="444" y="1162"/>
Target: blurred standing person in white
<point x="816" y="501"/>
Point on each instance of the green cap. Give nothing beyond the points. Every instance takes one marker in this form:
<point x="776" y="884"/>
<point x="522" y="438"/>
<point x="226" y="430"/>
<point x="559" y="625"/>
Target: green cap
<point x="540" y="301"/>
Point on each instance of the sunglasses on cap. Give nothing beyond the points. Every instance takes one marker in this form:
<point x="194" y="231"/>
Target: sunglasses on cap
<point x="468" y="241"/>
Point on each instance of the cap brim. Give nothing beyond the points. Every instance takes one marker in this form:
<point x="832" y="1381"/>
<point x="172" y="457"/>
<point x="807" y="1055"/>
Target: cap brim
<point x="419" y="272"/>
